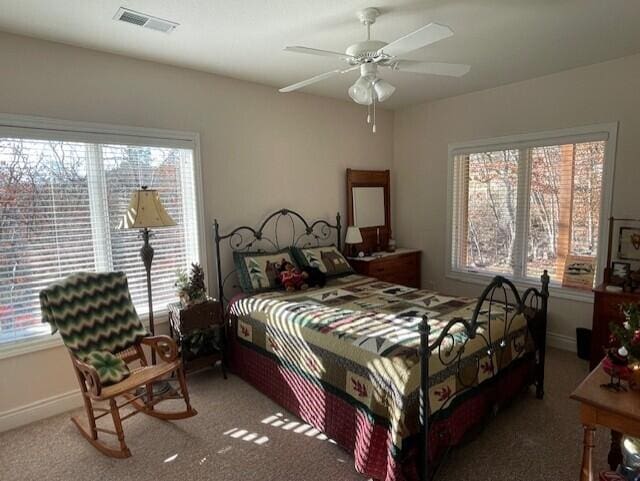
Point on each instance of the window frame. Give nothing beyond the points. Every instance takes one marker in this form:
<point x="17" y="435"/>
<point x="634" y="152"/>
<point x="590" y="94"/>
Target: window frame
<point x="24" y="126"/>
<point x="518" y="142"/>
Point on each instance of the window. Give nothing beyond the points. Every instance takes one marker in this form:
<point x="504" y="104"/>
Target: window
<point x="524" y="204"/>
<point x="61" y="201"/>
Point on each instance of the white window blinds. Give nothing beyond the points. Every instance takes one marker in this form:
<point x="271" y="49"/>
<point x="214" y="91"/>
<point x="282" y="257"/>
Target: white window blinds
<point x="522" y="209"/>
<point x="60" y="205"/>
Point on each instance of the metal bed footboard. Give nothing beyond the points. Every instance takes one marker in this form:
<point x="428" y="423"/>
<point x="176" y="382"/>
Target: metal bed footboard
<point x="532" y="304"/>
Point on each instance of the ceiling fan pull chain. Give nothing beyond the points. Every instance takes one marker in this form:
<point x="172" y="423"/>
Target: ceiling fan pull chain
<point x="368" y="114"/>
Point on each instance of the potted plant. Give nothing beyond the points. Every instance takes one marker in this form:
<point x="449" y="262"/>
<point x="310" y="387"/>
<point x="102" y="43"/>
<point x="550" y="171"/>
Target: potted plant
<point x="202" y="342"/>
<point x="190" y="287"/>
<point x="182" y="286"/>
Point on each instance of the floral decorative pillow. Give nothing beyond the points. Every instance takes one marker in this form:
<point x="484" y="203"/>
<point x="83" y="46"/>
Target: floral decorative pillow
<point x="110" y="369"/>
<point x="328" y="259"/>
<point x="258" y="271"/>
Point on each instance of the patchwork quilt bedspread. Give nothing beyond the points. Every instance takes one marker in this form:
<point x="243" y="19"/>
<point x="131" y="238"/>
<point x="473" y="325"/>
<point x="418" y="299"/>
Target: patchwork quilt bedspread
<point x="358" y="337"/>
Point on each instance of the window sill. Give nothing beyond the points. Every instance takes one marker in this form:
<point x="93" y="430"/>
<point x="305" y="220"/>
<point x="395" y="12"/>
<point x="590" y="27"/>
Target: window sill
<point x="46" y="340"/>
<point x="40" y="342"/>
<point x="555" y="291"/>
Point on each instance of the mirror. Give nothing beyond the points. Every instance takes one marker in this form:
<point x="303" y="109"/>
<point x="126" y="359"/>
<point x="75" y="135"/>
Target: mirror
<point x="368" y="207"/>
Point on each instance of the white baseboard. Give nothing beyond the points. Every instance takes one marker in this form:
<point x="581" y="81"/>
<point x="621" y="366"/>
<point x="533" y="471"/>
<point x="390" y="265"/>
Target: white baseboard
<point x="560" y="341"/>
<point x="42" y="409"/>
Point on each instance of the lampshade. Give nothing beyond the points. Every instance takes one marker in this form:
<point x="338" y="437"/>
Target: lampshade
<point x="383" y="89"/>
<point x="361" y="91"/>
<point x="145" y="210"/>
<point x="353" y="235"/>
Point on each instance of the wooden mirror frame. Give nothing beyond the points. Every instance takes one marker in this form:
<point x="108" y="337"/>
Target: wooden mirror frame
<point x="371" y="178"/>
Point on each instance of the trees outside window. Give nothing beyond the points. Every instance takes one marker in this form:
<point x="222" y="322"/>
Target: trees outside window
<point x="522" y="209"/>
<point x="60" y="206"/>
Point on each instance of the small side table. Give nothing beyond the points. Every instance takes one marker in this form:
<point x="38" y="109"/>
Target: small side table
<point x="618" y="411"/>
<point x="187" y="321"/>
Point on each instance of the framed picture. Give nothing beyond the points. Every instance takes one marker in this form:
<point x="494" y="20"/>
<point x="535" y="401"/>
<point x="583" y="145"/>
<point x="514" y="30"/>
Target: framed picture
<point x="579" y="272"/>
<point x="629" y="243"/>
<point x="619" y="272"/>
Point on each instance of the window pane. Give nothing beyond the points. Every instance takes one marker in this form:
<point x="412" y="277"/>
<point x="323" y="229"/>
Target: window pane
<point x="587" y="197"/>
<point x="45" y="226"/>
<point x="491" y="205"/>
<point x="564" y="205"/>
<point x="550" y="174"/>
<point x="126" y="169"/>
<point x="60" y="206"/>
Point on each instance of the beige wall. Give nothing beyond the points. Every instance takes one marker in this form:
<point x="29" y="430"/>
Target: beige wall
<point x="605" y="92"/>
<point x="261" y="150"/>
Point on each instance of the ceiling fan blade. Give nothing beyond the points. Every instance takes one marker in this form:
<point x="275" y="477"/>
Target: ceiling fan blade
<point x="422" y="37"/>
<point x="315" y="51"/>
<point x="317" y="78"/>
<point x="433" y="68"/>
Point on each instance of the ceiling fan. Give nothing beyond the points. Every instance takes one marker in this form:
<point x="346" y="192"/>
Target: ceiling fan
<point x="370" y="54"/>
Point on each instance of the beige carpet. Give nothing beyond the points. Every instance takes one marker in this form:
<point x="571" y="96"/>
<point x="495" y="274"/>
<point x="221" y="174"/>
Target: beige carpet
<point x="241" y="435"/>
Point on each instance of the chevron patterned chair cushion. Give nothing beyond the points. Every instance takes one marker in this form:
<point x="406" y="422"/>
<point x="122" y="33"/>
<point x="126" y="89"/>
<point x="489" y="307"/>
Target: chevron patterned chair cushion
<point x="93" y="312"/>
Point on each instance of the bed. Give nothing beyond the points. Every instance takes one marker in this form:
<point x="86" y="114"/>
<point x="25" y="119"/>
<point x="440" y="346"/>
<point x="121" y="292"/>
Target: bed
<point x="394" y="375"/>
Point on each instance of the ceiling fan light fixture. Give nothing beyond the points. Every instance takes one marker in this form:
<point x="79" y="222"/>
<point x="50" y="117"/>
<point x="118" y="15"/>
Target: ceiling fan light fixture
<point x="370" y="55"/>
<point x="361" y="91"/>
<point x="383" y="89"/>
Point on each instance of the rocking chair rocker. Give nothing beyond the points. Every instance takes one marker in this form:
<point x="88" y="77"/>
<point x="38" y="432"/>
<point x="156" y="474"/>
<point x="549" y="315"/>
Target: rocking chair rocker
<point x="97" y="322"/>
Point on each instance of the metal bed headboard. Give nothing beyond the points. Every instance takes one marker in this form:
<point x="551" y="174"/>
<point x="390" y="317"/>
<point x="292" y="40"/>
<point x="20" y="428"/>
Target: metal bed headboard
<point x="269" y="237"/>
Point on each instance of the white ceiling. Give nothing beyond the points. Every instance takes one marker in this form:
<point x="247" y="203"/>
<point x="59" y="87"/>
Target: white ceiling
<point x="503" y="40"/>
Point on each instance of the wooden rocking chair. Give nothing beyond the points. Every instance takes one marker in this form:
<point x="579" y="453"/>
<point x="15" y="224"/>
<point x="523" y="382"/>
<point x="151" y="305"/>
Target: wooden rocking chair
<point x="96" y="319"/>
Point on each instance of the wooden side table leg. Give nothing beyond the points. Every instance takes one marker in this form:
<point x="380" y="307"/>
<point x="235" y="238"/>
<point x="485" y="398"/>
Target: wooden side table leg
<point x="586" y="471"/>
<point x="615" y="451"/>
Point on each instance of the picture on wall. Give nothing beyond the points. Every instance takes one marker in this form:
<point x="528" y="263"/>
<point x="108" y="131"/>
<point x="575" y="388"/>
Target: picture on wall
<point x="629" y="243"/>
<point x="619" y="272"/>
<point x="579" y="272"/>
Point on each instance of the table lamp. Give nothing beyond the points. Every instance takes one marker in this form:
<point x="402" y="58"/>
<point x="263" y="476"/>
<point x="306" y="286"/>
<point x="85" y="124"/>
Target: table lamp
<point x="353" y="237"/>
<point x="146" y="211"/>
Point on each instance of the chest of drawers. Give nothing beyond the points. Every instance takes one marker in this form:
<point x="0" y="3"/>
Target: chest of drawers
<point x="399" y="267"/>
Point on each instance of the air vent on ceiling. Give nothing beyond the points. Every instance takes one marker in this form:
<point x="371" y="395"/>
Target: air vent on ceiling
<point x="144" y="20"/>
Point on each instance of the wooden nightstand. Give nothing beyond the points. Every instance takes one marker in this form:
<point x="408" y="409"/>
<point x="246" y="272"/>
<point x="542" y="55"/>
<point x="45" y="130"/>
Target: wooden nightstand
<point x="188" y="326"/>
<point x="399" y="267"/>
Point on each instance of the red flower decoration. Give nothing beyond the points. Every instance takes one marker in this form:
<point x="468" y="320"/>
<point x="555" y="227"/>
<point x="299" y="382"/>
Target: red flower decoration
<point x="358" y="387"/>
<point x="623" y="372"/>
<point x="487" y="367"/>
<point x="443" y="394"/>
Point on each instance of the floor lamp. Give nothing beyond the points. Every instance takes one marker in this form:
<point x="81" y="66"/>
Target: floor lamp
<point x="146" y="211"/>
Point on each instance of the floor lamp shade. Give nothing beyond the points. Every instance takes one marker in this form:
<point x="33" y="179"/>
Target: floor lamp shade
<point x="146" y="211"/>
